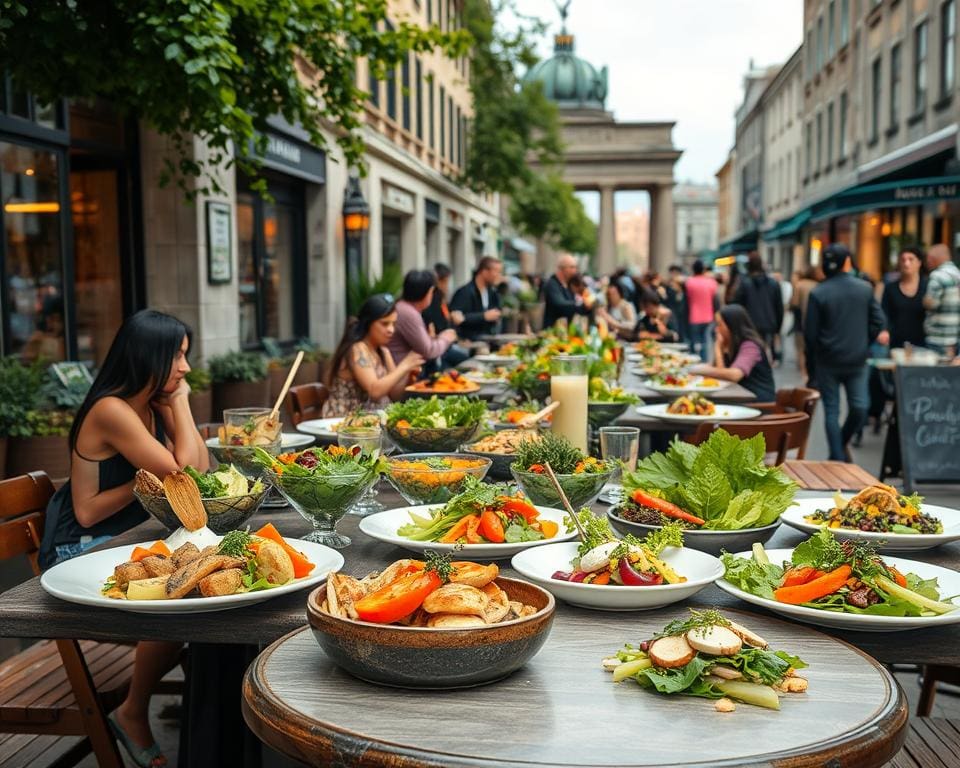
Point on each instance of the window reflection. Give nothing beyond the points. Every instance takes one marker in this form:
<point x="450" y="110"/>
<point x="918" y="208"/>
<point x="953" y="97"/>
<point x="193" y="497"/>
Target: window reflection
<point x="247" y="270"/>
<point x="30" y="192"/>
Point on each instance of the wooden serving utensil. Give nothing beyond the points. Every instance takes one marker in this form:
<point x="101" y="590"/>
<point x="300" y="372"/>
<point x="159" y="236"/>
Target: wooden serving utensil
<point x="565" y="500"/>
<point x="275" y="413"/>
<point x="184" y="498"/>
<point x="535" y="418"/>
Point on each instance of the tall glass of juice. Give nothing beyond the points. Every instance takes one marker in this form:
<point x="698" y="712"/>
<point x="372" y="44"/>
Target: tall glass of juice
<point x="569" y="385"/>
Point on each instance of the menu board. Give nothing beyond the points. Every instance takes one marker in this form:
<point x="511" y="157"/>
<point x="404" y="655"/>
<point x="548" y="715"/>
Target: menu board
<point x="928" y="417"/>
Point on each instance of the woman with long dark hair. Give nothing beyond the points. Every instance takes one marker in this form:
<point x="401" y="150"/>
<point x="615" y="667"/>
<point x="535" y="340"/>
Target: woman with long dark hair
<point x="136" y="415"/>
<point x="740" y="355"/>
<point x="362" y="374"/>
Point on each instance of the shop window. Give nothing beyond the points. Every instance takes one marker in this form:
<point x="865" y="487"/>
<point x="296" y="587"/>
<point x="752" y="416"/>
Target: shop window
<point x="819" y="43"/>
<point x="392" y="240"/>
<point x="948" y="47"/>
<point x="920" y="67"/>
<point x="374" y="86"/>
<point x="450" y="120"/>
<point x="405" y="92"/>
<point x="31" y="251"/>
<point x="894" y="86"/>
<point x="829" y="134"/>
<point x="875" y="91"/>
<point x="808" y="145"/>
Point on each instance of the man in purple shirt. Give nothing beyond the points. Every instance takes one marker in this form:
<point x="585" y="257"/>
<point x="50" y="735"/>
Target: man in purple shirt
<point x="411" y="330"/>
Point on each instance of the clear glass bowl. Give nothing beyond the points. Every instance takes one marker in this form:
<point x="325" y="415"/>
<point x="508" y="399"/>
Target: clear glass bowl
<point x="424" y="485"/>
<point x="581" y="490"/>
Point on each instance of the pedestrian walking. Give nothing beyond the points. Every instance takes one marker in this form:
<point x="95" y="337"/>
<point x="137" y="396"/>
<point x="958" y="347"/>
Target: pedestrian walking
<point x="942" y="302"/>
<point x="759" y="294"/>
<point x="842" y="320"/>
<point x="701" y="292"/>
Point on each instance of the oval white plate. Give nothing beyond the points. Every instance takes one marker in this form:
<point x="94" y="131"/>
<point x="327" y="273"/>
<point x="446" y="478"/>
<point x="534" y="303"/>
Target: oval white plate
<point x="693" y="386"/>
<point x="289" y="441"/>
<point x="893" y="542"/>
<point x="539" y="564"/>
<point x="722" y="413"/>
<point x="948" y="584"/>
<point x="383" y="526"/>
<point x="321" y="427"/>
<point x="80" y="579"/>
<point x="507" y="361"/>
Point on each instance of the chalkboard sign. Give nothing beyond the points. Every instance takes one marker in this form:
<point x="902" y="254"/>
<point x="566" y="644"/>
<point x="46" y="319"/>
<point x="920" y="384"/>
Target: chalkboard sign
<point x="928" y="416"/>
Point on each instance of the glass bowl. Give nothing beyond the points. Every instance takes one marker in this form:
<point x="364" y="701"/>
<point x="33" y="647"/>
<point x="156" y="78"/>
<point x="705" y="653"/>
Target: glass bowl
<point x="419" y="483"/>
<point x="581" y="490"/>
<point x="223" y="514"/>
<point x="601" y="414"/>
<point x="427" y="439"/>
<point x="241" y="456"/>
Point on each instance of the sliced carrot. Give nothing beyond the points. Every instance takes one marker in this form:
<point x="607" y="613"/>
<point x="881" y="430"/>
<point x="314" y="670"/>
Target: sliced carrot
<point x="602" y="578"/>
<point x="491" y="528"/>
<point x="160" y="548"/>
<point x="459" y="529"/>
<point x="548" y="528"/>
<point x="473" y="532"/>
<point x="139" y="553"/>
<point x="897" y="576"/>
<point x="301" y="565"/>
<point x="801" y="575"/>
<point x="825" y="585"/>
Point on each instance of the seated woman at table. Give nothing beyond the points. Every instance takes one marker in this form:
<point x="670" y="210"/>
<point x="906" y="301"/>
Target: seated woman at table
<point x="656" y="322"/>
<point x="619" y="313"/>
<point x="136" y="415"/>
<point x="362" y="374"/>
<point x="740" y="355"/>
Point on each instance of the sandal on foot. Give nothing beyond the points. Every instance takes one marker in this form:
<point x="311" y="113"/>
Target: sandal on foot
<point x="145" y="757"/>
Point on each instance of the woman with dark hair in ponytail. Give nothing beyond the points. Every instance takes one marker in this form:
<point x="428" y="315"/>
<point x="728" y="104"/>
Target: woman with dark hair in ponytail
<point x="135" y="416"/>
<point x="362" y="374"/>
<point x="740" y="355"/>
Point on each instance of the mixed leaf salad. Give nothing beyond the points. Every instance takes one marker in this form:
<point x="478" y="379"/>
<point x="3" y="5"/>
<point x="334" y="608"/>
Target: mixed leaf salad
<point x="483" y="513"/>
<point x="721" y="484"/>
<point x="582" y="477"/>
<point x="878" y="509"/>
<point x="710" y="656"/>
<point x="602" y="392"/>
<point x="436" y="413"/>
<point x="829" y="575"/>
<point x="223" y="482"/>
<point x="603" y="558"/>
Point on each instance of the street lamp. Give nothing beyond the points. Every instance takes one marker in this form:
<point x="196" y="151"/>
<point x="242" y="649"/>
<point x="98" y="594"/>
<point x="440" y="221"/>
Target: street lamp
<point x="356" y="222"/>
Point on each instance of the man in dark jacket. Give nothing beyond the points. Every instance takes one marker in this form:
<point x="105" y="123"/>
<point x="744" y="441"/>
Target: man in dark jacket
<point x="842" y="320"/>
<point x="439" y="317"/>
<point x="559" y="300"/>
<point x="760" y="295"/>
<point x="478" y="300"/>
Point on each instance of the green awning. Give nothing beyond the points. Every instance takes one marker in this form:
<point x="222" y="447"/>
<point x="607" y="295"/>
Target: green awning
<point x="891" y="194"/>
<point x="742" y="243"/>
<point x="787" y="227"/>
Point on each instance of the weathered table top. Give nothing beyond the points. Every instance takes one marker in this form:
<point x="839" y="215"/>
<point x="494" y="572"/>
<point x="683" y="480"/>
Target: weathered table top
<point x="27" y="611"/>
<point x="563" y="709"/>
<point x="828" y="475"/>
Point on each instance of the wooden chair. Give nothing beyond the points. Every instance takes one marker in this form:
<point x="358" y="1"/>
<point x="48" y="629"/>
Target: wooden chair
<point x="306" y="402"/>
<point x="54" y="696"/>
<point x="208" y="430"/>
<point x="779" y="430"/>
<point x="796" y="400"/>
<point x="933" y="674"/>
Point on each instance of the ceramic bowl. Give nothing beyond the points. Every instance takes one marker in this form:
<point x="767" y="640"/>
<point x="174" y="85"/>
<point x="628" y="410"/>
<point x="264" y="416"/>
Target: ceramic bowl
<point x="427" y="658"/>
<point x="423" y="485"/>
<point x="710" y="542"/>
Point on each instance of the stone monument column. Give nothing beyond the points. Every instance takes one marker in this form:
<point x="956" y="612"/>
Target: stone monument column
<point x="606" y="233"/>
<point x="663" y="228"/>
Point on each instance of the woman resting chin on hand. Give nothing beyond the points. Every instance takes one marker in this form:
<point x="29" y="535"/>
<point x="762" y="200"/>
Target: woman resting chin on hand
<point x="740" y="355"/>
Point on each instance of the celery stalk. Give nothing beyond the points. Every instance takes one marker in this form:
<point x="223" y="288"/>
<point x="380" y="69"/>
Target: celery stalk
<point x="892" y="588"/>
<point x="630" y="668"/>
<point x="750" y="693"/>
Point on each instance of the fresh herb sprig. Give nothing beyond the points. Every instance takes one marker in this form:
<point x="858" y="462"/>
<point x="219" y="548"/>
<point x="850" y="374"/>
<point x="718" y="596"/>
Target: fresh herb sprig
<point x="596" y="530"/>
<point x="551" y="449"/>
<point x="235" y="543"/>
<point x="441" y="564"/>
<point x="697" y="620"/>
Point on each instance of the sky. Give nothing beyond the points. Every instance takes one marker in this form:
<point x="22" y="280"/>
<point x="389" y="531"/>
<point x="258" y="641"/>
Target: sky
<point x="680" y="60"/>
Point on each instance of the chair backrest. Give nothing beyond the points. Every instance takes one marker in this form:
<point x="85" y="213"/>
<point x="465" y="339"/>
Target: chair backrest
<point x="779" y="430"/>
<point x="210" y="429"/>
<point x="23" y="505"/>
<point x="798" y="399"/>
<point x="306" y="401"/>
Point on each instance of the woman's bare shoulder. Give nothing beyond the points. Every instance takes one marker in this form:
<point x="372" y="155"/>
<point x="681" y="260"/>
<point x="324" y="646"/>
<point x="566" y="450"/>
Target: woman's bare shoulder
<point x="112" y="409"/>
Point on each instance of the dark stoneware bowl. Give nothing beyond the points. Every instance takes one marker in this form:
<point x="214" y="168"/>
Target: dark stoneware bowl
<point x="421" y="657"/>
<point x="499" y="462"/>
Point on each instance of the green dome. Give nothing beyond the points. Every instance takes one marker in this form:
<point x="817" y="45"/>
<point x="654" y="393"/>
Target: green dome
<point x="568" y="80"/>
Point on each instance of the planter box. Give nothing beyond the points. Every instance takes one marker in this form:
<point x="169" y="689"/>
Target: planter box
<point x="29" y="454"/>
<point x="201" y="406"/>
<point x="240" y="394"/>
<point x="3" y="457"/>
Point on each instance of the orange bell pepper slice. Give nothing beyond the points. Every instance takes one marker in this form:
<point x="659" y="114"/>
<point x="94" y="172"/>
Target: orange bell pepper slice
<point x="458" y="530"/>
<point x="301" y="565"/>
<point x="519" y="507"/>
<point x="397" y="599"/>
<point x="548" y="528"/>
<point x="491" y="528"/>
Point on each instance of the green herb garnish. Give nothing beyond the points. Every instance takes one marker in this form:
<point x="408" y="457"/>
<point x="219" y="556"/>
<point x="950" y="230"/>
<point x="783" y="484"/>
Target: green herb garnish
<point x="697" y="620"/>
<point x="440" y="564"/>
<point x="235" y="543"/>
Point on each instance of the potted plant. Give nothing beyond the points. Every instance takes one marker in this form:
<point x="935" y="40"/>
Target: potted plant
<point x="19" y="385"/>
<point x="201" y="398"/>
<point x="239" y="381"/>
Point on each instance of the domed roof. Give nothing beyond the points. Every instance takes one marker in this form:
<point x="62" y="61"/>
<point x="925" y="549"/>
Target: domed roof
<point x="571" y="82"/>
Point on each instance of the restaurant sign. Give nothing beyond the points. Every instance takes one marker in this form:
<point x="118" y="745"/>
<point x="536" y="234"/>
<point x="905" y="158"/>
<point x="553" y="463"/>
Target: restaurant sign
<point x="891" y="194"/>
<point x="294" y="157"/>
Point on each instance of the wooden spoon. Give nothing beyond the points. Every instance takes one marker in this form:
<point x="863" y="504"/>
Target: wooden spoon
<point x="565" y="500"/>
<point x="275" y="413"/>
<point x="184" y="498"/>
<point x="535" y="418"/>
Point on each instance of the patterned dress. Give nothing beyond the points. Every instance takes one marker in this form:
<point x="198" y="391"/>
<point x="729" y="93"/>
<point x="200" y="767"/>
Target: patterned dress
<point x="346" y="396"/>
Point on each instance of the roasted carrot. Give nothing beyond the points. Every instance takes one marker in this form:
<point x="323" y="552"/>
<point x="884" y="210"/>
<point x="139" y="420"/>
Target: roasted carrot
<point x="662" y="505"/>
<point x="801" y="575"/>
<point x="301" y="565"/>
<point x="139" y="553"/>
<point x="602" y="578"/>
<point x="473" y="533"/>
<point x="897" y="576"/>
<point x="459" y="529"/>
<point x="160" y="548"/>
<point x="804" y="593"/>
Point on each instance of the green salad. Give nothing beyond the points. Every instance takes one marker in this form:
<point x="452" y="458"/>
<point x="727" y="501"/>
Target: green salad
<point x="722" y="484"/>
<point x="436" y="412"/>
<point x="223" y="482"/>
<point x="582" y="477"/>
<point x="602" y="392"/>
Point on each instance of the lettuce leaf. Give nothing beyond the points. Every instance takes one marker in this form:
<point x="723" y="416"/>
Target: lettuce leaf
<point x="687" y="680"/>
<point x="750" y="576"/>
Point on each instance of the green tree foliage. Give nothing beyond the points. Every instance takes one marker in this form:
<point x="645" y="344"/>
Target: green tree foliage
<point x="216" y="69"/>
<point x="514" y="123"/>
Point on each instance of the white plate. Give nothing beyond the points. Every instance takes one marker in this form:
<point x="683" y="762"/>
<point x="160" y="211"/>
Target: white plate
<point x="722" y="413"/>
<point x="321" y="427"/>
<point x="80" y="579"/>
<point x="948" y="584"/>
<point x="694" y="386"/>
<point x="893" y="542"/>
<point x="383" y="526"/>
<point x="540" y="563"/>
<point x="482" y="377"/>
<point x="507" y="361"/>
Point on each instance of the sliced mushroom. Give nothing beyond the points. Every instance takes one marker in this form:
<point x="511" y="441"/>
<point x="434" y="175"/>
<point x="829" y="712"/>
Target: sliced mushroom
<point x="671" y="652"/>
<point x="715" y="640"/>
<point x="748" y="636"/>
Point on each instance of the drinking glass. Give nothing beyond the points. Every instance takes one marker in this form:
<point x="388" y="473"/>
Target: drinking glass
<point x="369" y="440"/>
<point x="619" y="444"/>
<point x="569" y="386"/>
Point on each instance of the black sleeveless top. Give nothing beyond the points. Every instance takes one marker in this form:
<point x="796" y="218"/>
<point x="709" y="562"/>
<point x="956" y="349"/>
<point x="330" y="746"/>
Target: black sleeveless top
<point x="61" y="526"/>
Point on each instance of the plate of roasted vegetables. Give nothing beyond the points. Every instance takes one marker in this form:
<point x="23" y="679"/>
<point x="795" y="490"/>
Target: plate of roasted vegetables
<point x="710" y="656"/>
<point x="696" y="408"/>
<point x="611" y="573"/>
<point x="880" y="514"/>
<point x="192" y="572"/>
<point x="485" y="521"/>
<point x="844" y="584"/>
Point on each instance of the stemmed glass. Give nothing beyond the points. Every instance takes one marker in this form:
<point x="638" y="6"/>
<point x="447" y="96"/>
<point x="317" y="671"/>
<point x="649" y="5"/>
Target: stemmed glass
<point x="369" y="439"/>
<point x="620" y="445"/>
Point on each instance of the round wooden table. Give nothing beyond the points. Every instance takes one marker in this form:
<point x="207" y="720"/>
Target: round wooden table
<point x="563" y="709"/>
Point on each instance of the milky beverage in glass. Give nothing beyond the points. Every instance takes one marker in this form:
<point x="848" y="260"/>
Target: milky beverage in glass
<point x="568" y="386"/>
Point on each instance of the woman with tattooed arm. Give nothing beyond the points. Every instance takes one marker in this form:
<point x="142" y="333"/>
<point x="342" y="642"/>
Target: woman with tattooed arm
<point x="362" y="374"/>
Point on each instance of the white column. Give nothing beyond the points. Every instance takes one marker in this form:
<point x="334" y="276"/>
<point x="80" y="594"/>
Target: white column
<point x="607" y="233"/>
<point x="663" y="247"/>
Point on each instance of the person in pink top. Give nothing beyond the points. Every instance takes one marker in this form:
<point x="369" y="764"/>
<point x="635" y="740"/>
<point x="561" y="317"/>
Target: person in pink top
<point x="701" y="293"/>
<point x="411" y="334"/>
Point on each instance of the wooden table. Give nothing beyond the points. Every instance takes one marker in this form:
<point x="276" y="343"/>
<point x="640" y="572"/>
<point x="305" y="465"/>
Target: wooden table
<point x="562" y="709"/>
<point x="828" y="475"/>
